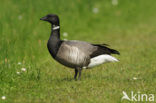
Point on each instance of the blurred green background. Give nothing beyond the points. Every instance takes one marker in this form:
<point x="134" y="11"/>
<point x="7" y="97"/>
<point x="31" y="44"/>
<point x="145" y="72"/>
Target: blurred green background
<point x="127" y="25"/>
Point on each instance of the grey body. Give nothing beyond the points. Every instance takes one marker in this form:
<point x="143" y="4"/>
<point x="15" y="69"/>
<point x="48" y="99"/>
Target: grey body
<point x="75" y="53"/>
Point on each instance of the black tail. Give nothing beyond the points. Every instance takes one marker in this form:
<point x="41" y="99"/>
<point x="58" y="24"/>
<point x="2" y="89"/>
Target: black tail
<point x="100" y="44"/>
<point x="113" y="51"/>
<point x="103" y="49"/>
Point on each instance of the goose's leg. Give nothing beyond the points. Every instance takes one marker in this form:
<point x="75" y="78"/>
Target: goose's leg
<point x="79" y="70"/>
<point x="76" y="71"/>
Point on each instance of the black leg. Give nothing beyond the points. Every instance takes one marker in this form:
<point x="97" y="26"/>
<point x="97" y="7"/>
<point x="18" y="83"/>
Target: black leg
<point x="76" y="71"/>
<point x="79" y="69"/>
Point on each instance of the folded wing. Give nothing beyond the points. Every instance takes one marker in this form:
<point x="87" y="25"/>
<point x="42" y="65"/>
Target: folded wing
<point x="79" y="54"/>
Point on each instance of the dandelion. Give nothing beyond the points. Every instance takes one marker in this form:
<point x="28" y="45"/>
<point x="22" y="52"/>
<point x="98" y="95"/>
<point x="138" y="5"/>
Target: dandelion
<point x="95" y="10"/>
<point x="20" y="17"/>
<point x="23" y="69"/>
<point x="19" y="63"/>
<point x="3" y="97"/>
<point x="114" y="2"/>
<point x="65" y="34"/>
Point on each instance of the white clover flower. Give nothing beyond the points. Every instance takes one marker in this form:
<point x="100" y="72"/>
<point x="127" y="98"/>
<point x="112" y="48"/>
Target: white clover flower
<point x="65" y="39"/>
<point x="114" y="2"/>
<point x="3" y="97"/>
<point x="65" y="34"/>
<point x="23" y="69"/>
<point x="134" y="78"/>
<point x="95" y="10"/>
<point x="20" y="17"/>
<point x="18" y="73"/>
<point x="19" y="63"/>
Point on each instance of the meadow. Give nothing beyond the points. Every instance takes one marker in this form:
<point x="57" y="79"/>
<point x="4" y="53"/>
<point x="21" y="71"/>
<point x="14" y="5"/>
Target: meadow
<point x="28" y="74"/>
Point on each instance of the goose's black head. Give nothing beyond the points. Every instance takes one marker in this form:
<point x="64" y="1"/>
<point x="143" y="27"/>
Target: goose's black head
<point x="51" y="18"/>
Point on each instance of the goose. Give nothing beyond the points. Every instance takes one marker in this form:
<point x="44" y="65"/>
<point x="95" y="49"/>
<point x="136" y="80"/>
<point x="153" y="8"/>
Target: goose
<point x="76" y="54"/>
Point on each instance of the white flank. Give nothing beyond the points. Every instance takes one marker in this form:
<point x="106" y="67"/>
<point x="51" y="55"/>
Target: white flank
<point x="101" y="59"/>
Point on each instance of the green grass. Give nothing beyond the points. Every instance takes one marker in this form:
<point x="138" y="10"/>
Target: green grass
<point x="128" y="27"/>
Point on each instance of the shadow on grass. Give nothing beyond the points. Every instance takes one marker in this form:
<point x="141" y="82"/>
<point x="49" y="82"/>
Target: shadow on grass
<point x="67" y="79"/>
<point x="83" y="78"/>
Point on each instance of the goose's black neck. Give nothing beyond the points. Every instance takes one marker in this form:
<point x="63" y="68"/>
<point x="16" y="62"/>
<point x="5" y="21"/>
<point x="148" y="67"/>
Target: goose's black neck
<point x="54" y="41"/>
<point x="55" y="31"/>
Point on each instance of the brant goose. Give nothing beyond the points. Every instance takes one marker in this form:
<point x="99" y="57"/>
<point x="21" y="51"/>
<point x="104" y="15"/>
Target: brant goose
<point x="76" y="54"/>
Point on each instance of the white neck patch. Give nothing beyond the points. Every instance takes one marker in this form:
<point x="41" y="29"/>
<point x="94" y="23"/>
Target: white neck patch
<point x="56" y="27"/>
